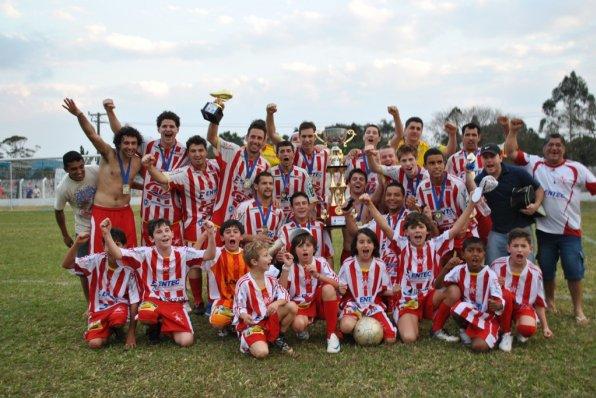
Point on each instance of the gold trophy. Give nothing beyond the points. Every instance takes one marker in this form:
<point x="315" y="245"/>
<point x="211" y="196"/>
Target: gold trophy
<point x="213" y="111"/>
<point x="333" y="215"/>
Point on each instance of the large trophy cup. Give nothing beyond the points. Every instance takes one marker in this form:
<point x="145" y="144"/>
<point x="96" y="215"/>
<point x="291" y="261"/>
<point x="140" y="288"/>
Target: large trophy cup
<point x="213" y="111"/>
<point x="333" y="215"/>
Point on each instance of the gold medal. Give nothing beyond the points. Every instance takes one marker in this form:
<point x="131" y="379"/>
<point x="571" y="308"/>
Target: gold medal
<point x="247" y="184"/>
<point x="126" y="189"/>
<point x="438" y="216"/>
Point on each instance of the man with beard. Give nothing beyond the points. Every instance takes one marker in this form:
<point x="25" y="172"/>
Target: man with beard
<point x="289" y="179"/>
<point x="117" y="169"/>
<point x="260" y="217"/>
<point x="169" y="154"/>
<point x="559" y="233"/>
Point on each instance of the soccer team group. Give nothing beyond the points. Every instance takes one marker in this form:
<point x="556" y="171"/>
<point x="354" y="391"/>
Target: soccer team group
<point x="416" y="241"/>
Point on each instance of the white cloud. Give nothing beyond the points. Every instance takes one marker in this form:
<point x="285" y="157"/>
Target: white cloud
<point x="198" y="11"/>
<point x="566" y="22"/>
<point x="95" y="30"/>
<point x="299" y="67"/>
<point x="154" y="87"/>
<point x="225" y="19"/>
<point x="259" y="25"/>
<point x="61" y="14"/>
<point x="368" y="12"/>
<point x="309" y="15"/>
<point x="10" y="10"/>
<point x="138" y="44"/>
<point x="434" y="5"/>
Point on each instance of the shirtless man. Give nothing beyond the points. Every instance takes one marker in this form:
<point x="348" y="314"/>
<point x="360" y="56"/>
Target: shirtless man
<point x="117" y="169"/>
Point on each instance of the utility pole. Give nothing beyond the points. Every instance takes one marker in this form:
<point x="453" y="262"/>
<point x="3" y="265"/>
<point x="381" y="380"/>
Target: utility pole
<point x="96" y="117"/>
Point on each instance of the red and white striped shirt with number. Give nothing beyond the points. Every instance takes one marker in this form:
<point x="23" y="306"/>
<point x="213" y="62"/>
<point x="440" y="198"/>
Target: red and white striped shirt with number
<point x="419" y="266"/>
<point x="298" y="180"/>
<point x="364" y="288"/>
<point x="317" y="230"/>
<point x="386" y="245"/>
<point x="156" y="202"/>
<point x="107" y="286"/>
<point x="197" y="191"/>
<point x="361" y="162"/>
<point x="163" y="278"/>
<point x="233" y="173"/>
<point x="454" y="202"/>
<point x="318" y="172"/>
<point x="527" y="286"/>
<point x="476" y="287"/>
<point x="251" y="300"/>
<point x="302" y="286"/>
<point x="562" y="192"/>
<point x="397" y="173"/>
<point x="456" y="164"/>
<point x="249" y="214"/>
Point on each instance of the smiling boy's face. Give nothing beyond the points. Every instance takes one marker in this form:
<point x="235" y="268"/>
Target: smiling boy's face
<point x="162" y="236"/>
<point x="474" y="256"/>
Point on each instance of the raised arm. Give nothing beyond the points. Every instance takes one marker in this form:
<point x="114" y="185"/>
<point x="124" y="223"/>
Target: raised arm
<point x="511" y="147"/>
<point x="451" y="131"/>
<point x="270" y="122"/>
<point x="462" y="221"/>
<point x="371" y="157"/>
<point x="102" y="147"/>
<point x="108" y="105"/>
<point x="376" y="215"/>
<point x="111" y="246"/>
<point x="71" y="254"/>
<point x="156" y="174"/>
<point x="212" y="135"/>
<point x="399" y="127"/>
<point x="210" y="251"/>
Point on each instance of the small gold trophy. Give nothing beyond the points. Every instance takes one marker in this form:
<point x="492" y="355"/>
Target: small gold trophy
<point x="213" y="111"/>
<point x="333" y="216"/>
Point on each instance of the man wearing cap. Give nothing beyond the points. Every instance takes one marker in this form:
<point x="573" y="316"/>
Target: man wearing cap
<point x="504" y="216"/>
<point x="559" y="233"/>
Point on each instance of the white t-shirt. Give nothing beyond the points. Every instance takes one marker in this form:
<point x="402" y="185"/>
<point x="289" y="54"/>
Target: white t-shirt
<point x="79" y="194"/>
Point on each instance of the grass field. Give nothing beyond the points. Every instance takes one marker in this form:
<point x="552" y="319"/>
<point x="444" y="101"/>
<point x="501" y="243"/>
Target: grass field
<point x="43" y="353"/>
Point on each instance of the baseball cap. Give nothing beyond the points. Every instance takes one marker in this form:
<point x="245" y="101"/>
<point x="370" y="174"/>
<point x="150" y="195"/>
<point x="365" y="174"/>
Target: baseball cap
<point x="490" y="148"/>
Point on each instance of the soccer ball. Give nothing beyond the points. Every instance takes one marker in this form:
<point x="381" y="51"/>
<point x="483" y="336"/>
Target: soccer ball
<point x="368" y="331"/>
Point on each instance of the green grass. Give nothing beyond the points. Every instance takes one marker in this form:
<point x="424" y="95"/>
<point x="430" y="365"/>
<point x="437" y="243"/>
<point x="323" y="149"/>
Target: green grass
<point x="43" y="353"/>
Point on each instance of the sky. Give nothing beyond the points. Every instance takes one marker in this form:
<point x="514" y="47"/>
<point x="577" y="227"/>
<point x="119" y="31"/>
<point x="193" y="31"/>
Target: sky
<point x="325" y="61"/>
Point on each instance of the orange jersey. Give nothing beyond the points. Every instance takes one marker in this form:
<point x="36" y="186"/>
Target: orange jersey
<point x="224" y="271"/>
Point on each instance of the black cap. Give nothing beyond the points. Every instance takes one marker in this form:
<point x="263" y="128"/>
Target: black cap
<point x="490" y="148"/>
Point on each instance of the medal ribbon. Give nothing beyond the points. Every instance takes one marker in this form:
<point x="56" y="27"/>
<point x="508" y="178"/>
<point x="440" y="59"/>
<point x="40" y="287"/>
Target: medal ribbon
<point x="264" y="218"/>
<point x="439" y="201"/>
<point x="249" y="168"/>
<point x="285" y="178"/>
<point x="365" y="160"/>
<point x="125" y="175"/>
<point x="166" y="161"/>
<point x="309" y="164"/>
<point x="411" y="187"/>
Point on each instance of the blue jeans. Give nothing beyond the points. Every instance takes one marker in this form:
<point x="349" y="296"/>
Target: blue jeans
<point x="568" y="248"/>
<point x="496" y="245"/>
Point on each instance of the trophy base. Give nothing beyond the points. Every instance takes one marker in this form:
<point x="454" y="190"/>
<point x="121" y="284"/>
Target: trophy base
<point x="212" y="112"/>
<point x="335" y="220"/>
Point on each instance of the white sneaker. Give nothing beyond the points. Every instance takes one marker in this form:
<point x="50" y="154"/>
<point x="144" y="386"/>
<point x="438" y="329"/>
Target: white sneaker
<point x="333" y="346"/>
<point x="506" y="342"/>
<point x="222" y="333"/>
<point x="522" y="339"/>
<point x="442" y="335"/>
<point x="304" y="335"/>
<point x="465" y="339"/>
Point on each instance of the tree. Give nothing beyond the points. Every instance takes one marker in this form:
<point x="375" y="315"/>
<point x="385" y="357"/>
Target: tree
<point x="82" y="151"/>
<point x="581" y="150"/>
<point x="16" y="147"/>
<point x="481" y="115"/>
<point x="228" y="136"/>
<point x="571" y="109"/>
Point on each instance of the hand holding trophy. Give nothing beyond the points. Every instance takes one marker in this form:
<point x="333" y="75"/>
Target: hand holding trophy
<point x="213" y="111"/>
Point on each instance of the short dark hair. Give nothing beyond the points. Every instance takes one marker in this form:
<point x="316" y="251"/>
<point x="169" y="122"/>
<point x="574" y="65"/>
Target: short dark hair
<point x="262" y="174"/>
<point x="415" y="218"/>
<point x="473" y="240"/>
<point x="118" y="235"/>
<point x="298" y="194"/>
<point x="357" y="171"/>
<point x="168" y="115"/>
<point x="71" y="156"/>
<point x="517" y="233"/>
<point x="555" y="136"/>
<point x="372" y="125"/>
<point x="196" y="140"/>
<point x="306" y="125"/>
<point x="371" y="235"/>
<point x="229" y="224"/>
<point x="127" y="131"/>
<point x="282" y="144"/>
<point x="405" y="149"/>
<point x="396" y="184"/>
<point x="300" y="238"/>
<point x="414" y="119"/>
<point x="158" y="222"/>
<point x="433" y="152"/>
<point x="470" y="126"/>
<point x="258" y="124"/>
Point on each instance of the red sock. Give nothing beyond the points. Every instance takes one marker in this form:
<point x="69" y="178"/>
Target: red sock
<point x="196" y="287"/>
<point x="331" y="309"/>
<point x="441" y="317"/>
<point x="507" y="315"/>
<point x="526" y="330"/>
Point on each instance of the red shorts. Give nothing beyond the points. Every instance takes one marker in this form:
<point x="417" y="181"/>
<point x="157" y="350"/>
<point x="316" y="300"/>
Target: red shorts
<point x="176" y="228"/>
<point x="485" y="224"/>
<point x="99" y="323"/>
<point x="172" y="315"/>
<point x="314" y="309"/>
<point x="266" y="331"/>
<point x="489" y="333"/>
<point x="121" y="217"/>
<point x="422" y="308"/>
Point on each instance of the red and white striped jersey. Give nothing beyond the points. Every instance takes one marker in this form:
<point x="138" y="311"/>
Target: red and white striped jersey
<point x="254" y="218"/>
<point x="456" y="164"/>
<point x="419" y="266"/>
<point x="562" y="187"/>
<point x="251" y="300"/>
<point x="156" y="202"/>
<point x="234" y="170"/>
<point x="476" y="287"/>
<point x="317" y="230"/>
<point x="316" y="166"/>
<point x="108" y="285"/>
<point x="397" y="173"/>
<point x="364" y="287"/>
<point x="197" y="191"/>
<point x="452" y="205"/>
<point x="361" y="162"/>
<point x="386" y="245"/>
<point x="527" y="286"/>
<point x="163" y="278"/>
<point x="302" y="286"/>
<point x="287" y="184"/>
